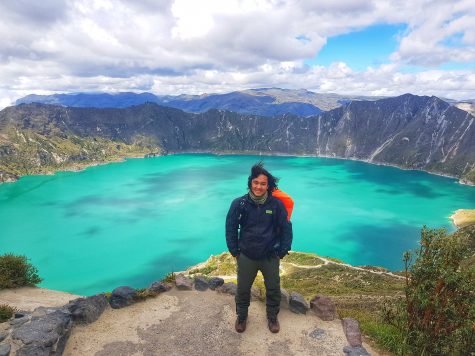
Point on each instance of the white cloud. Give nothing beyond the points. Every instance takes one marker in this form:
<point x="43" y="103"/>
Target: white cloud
<point x="185" y="46"/>
<point x="443" y="35"/>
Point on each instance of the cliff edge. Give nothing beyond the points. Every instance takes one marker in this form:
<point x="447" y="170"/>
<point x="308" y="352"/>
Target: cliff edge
<point x="198" y="323"/>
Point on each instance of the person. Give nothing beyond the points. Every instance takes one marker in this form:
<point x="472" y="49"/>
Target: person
<point x="258" y="235"/>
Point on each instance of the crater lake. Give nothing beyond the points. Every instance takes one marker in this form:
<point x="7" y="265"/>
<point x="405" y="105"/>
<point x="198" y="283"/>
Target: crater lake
<point x="133" y="222"/>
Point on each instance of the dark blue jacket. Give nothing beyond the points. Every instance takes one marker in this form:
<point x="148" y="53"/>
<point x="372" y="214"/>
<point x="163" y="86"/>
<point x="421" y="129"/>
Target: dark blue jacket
<point x="258" y="231"/>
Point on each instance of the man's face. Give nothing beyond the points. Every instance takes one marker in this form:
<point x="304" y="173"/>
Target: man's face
<point x="259" y="185"/>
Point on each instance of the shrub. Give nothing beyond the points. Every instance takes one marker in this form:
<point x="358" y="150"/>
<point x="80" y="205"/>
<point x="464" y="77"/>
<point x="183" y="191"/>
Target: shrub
<point x="16" y="271"/>
<point x="6" y="312"/>
<point x="205" y="270"/>
<point x="170" y="278"/>
<point x="143" y="294"/>
<point x="439" y="307"/>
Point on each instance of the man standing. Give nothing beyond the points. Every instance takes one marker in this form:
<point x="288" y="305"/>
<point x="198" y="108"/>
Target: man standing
<point x="258" y="235"/>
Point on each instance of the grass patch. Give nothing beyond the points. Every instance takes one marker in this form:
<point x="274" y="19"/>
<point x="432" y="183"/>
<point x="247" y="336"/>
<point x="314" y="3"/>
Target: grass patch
<point x="368" y="313"/>
<point x="303" y="259"/>
<point x="221" y="265"/>
<point x="336" y="280"/>
<point x="334" y="259"/>
<point x="6" y="312"/>
<point x="143" y="294"/>
<point x="205" y="270"/>
<point x="170" y="278"/>
<point x="374" y="268"/>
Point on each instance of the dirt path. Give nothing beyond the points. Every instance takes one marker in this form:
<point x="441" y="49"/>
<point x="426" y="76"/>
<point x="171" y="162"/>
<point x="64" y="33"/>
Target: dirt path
<point x="327" y="262"/>
<point x="202" y="323"/>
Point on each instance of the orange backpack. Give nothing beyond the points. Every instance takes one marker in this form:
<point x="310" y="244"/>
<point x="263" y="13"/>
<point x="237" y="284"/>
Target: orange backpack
<point x="286" y="199"/>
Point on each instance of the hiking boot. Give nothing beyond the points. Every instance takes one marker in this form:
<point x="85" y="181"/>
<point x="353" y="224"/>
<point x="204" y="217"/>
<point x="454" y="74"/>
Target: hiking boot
<point x="273" y="325"/>
<point x="240" y="324"/>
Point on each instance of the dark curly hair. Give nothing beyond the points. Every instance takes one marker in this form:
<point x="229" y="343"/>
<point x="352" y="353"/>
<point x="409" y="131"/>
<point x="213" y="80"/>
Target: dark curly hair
<point x="259" y="169"/>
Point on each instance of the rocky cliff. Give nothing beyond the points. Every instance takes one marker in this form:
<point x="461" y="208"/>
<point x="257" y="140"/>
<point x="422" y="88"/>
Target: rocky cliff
<point x="408" y="131"/>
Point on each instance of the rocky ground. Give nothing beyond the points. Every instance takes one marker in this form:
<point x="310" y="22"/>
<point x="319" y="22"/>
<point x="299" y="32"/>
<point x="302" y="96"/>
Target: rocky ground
<point x="196" y="323"/>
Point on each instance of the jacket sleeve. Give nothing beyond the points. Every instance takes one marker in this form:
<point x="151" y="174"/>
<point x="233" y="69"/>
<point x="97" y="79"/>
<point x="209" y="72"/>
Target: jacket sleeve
<point x="232" y="223"/>
<point x="286" y="234"/>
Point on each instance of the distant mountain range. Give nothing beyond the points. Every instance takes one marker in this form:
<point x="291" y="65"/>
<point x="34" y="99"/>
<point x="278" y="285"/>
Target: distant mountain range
<point x="264" y="102"/>
<point x="408" y="131"/>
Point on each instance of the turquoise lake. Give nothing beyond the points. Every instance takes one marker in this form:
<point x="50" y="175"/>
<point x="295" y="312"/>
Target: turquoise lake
<point x="131" y="223"/>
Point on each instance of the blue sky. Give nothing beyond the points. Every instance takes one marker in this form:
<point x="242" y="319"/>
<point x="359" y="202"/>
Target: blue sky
<point x="357" y="47"/>
<point x="368" y="47"/>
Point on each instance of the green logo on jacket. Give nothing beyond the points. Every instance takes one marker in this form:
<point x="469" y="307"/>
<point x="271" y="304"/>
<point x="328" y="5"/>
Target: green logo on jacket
<point x="268" y="211"/>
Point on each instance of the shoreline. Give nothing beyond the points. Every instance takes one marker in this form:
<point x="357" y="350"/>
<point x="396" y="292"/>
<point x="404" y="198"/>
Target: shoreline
<point x="283" y="154"/>
<point x="78" y="167"/>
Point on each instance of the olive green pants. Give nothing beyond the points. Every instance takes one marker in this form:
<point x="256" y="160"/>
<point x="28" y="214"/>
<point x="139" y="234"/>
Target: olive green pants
<point x="246" y="273"/>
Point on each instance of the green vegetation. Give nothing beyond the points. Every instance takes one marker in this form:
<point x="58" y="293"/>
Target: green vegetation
<point x="338" y="280"/>
<point x="301" y="276"/>
<point x="439" y="313"/>
<point x="436" y="314"/>
<point x="470" y="176"/>
<point x="221" y="265"/>
<point x="205" y="270"/>
<point x="303" y="259"/>
<point x="29" y="152"/>
<point x="143" y="294"/>
<point x="170" y="278"/>
<point x="6" y="312"/>
<point x="333" y="259"/>
<point x="16" y="271"/>
<point x="368" y="310"/>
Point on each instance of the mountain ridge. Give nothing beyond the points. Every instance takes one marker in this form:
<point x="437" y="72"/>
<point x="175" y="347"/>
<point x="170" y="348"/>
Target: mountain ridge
<point x="408" y="131"/>
<point x="262" y="101"/>
<point x="259" y="101"/>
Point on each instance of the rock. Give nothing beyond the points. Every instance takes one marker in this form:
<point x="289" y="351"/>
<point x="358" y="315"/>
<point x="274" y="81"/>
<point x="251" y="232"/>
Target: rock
<point x="229" y="288"/>
<point x="19" y="321"/>
<point x="87" y="310"/>
<point x="318" y="334"/>
<point x="5" y="349"/>
<point x="284" y="299"/>
<point x="297" y="303"/>
<point x="42" y="311"/>
<point x="355" y="351"/>
<point x="323" y="307"/>
<point x="215" y="282"/>
<point x="122" y="297"/>
<point x="51" y="330"/>
<point x="201" y="283"/>
<point x="3" y="335"/>
<point x="256" y="293"/>
<point x="5" y="326"/>
<point x="183" y="283"/>
<point x="160" y="287"/>
<point x="351" y="327"/>
<point x="34" y="350"/>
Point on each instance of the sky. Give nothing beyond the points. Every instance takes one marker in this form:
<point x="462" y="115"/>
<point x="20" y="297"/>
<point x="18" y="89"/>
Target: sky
<point x="172" y="47"/>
